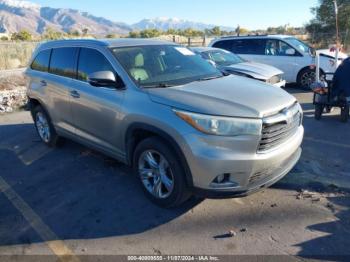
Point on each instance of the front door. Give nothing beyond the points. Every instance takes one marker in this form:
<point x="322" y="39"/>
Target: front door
<point x="96" y="111"/>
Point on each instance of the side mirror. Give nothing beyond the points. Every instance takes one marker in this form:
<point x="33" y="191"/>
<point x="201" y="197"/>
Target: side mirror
<point x="290" y="51"/>
<point x="102" y="79"/>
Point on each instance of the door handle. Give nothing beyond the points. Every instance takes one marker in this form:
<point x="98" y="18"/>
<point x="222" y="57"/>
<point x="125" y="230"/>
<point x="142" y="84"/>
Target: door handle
<point x="74" y="94"/>
<point x="43" y="83"/>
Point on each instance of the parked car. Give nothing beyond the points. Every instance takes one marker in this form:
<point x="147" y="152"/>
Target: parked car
<point x="183" y="126"/>
<point x="233" y="64"/>
<point x="294" y="57"/>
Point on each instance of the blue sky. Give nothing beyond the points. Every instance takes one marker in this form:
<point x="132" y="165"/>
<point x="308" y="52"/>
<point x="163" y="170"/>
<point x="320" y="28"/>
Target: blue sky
<point x="251" y="14"/>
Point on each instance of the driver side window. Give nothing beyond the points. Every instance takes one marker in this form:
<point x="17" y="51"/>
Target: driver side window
<point x="278" y="48"/>
<point x="91" y="61"/>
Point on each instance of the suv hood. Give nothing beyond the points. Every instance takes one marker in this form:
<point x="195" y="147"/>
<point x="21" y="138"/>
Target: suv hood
<point x="255" y="70"/>
<point x="233" y="96"/>
<point x="328" y="53"/>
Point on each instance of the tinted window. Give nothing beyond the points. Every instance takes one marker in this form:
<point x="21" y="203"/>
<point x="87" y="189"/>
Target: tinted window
<point x="243" y="46"/>
<point x="63" y="61"/>
<point x="227" y="45"/>
<point x="91" y="61"/>
<point x="249" y="46"/>
<point x="41" y="62"/>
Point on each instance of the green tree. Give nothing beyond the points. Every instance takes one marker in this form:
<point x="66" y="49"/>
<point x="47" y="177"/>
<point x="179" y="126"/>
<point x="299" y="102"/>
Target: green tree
<point x="22" y="35"/>
<point x="190" y="32"/>
<point x="172" y="31"/>
<point x="85" y="31"/>
<point x="134" y="34"/>
<point x="150" y="33"/>
<point x="243" y="31"/>
<point x="51" y="34"/>
<point x="111" y="36"/>
<point x="4" y="38"/>
<point x="216" y="31"/>
<point x="323" y="25"/>
<point x="74" y="33"/>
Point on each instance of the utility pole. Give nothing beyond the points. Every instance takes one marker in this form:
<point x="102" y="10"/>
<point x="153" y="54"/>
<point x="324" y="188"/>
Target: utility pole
<point x="336" y="21"/>
<point x="338" y="46"/>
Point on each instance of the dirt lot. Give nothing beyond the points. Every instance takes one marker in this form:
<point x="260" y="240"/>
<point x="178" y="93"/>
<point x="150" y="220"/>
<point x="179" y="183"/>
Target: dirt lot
<point x="72" y="201"/>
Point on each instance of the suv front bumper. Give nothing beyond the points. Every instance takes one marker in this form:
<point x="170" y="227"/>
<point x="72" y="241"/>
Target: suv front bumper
<point x="248" y="172"/>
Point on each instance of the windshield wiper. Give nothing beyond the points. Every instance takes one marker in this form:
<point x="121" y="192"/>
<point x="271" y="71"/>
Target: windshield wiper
<point x="159" y="85"/>
<point x="212" y="77"/>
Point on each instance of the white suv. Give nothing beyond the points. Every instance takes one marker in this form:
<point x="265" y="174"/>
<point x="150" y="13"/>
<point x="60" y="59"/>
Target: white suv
<point x="294" y="57"/>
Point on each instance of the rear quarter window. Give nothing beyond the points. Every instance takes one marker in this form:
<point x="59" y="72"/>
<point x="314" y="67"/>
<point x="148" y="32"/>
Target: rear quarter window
<point x="63" y="61"/>
<point x="41" y="61"/>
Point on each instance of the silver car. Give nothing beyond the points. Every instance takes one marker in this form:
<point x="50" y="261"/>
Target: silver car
<point x="233" y="64"/>
<point x="183" y="126"/>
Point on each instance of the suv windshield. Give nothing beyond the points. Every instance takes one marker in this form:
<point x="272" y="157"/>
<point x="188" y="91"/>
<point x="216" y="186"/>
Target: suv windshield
<point x="301" y="46"/>
<point x="164" y="65"/>
<point x="224" y="58"/>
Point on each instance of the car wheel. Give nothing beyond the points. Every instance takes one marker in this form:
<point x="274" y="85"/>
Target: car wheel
<point x="306" y="77"/>
<point x="318" y="111"/>
<point x="160" y="173"/>
<point x="44" y="127"/>
<point x="344" y="114"/>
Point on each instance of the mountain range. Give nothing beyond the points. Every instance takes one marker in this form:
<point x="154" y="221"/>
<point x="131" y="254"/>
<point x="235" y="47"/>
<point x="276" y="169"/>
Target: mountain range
<point x="16" y="15"/>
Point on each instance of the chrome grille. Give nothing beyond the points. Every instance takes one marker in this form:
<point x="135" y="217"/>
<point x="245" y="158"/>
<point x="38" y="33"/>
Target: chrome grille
<point x="279" y="128"/>
<point x="275" y="79"/>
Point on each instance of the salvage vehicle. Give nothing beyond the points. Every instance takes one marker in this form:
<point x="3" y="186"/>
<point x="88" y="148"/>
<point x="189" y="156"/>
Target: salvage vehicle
<point x="289" y="54"/>
<point x="231" y="63"/>
<point x="183" y="126"/>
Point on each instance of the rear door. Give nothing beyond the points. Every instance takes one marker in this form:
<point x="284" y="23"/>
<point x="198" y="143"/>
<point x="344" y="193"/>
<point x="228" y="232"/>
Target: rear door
<point x="62" y="70"/>
<point x="96" y="110"/>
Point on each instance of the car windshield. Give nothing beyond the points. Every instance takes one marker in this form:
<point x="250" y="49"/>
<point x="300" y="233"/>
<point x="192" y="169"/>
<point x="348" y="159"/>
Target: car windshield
<point x="224" y="58"/>
<point x="164" y="65"/>
<point x="301" y="46"/>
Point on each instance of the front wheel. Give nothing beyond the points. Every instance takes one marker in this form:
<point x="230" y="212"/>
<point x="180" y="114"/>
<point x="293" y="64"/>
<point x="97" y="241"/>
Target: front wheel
<point x="161" y="175"/>
<point x="306" y="77"/>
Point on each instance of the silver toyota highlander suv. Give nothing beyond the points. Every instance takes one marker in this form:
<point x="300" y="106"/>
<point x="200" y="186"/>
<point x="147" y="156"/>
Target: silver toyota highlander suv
<point x="181" y="124"/>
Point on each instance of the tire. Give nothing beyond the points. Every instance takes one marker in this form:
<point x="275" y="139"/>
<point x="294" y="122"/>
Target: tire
<point x="160" y="173"/>
<point x="306" y="77"/>
<point x="318" y="111"/>
<point x="44" y="127"/>
<point x="344" y="114"/>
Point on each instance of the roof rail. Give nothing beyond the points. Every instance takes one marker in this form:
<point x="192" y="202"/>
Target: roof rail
<point x="249" y="35"/>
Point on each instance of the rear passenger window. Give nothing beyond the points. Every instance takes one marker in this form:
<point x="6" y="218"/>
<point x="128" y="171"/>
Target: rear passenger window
<point x="41" y="62"/>
<point x="91" y="61"/>
<point x="249" y="46"/>
<point x="63" y="61"/>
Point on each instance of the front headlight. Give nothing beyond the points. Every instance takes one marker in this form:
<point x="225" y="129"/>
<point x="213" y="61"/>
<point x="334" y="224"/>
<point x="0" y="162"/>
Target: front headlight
<point x="221" y="126"/>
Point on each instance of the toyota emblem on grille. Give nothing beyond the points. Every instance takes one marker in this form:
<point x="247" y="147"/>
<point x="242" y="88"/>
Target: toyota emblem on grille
<point x="289" y="115"/>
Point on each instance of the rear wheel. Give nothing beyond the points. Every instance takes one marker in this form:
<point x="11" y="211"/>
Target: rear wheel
<point x="161" y="175"/>
<point x="344" y="114"/>
<point x="44" y="127"/>
<point x="318" y="111"/>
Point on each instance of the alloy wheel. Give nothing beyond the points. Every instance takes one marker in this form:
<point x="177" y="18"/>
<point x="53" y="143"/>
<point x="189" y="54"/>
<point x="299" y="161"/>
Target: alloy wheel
<point x="155" y="173"/>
